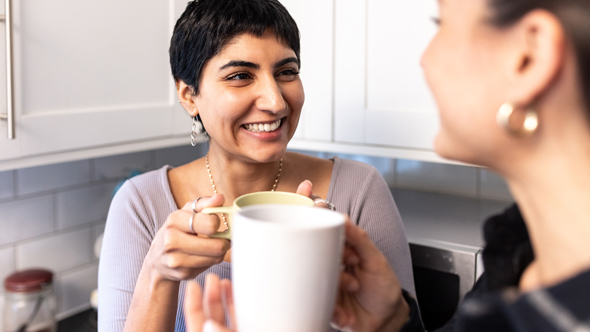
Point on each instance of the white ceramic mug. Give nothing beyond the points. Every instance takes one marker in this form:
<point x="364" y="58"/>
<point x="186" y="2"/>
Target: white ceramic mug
<point x="285" y="267"/>
<point x="261" y="197"/>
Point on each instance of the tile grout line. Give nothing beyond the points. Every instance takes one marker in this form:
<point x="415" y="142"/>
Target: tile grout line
<point x="60" y="190"/>
<point x="14" y="184"/>
<point x="55" y="213"/>
<point x="58" y="232"/>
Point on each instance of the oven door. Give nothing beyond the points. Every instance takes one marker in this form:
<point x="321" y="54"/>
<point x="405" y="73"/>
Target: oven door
<point x="443" y="273"/>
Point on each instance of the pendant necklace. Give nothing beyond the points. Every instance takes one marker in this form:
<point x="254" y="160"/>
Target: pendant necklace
<point x="274" y="186"/>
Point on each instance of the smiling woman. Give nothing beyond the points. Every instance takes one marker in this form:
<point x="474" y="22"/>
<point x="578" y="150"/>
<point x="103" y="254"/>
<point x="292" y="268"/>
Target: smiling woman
<point x="236" y="65"/>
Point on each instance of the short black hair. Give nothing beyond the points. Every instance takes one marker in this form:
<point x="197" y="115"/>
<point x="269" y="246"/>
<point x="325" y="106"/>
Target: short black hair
<point x="206" y="26"/>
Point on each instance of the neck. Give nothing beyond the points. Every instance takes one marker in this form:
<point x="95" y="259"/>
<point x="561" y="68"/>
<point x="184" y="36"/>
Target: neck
<point x="553" y="191"/>
<point x="235" y="177"/>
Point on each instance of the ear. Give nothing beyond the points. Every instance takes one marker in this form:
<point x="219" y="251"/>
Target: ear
<point x="186" y="98"/>
<point x="539" y="55"/>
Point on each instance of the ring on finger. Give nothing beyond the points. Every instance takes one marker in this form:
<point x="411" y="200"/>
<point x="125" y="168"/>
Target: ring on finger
<point x="321" y="200"/>
<point x="194" y="205"/>
<point x="190" y="223"/>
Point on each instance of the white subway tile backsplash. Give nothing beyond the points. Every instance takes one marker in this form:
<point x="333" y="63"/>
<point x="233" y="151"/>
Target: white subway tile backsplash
<point x="119" y="167"/>
<point x="57" y="253"/>
<point x="42" y="178"/>
<point x="73" y="290"/>
<point x="6" y="184"/>
<point x="26" y="218"/>
<point x="179" y="155"/>
<point x="80" y="206"/>
<point x="443" y="178"/>
<point x="6" y="264"/>
<point x="493" y="186"/>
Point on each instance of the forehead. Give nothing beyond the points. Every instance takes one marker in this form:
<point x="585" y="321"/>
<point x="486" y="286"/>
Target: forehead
<point x="247" y="46"/>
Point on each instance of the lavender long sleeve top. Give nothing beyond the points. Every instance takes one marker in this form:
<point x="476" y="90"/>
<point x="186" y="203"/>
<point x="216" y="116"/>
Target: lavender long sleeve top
<point x="143" y="203"/>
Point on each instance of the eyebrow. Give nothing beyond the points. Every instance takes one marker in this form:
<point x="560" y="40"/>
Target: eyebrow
<point x="286" y="61"/>
<point x="238" y="63"/>
<point x="248" y="64"/>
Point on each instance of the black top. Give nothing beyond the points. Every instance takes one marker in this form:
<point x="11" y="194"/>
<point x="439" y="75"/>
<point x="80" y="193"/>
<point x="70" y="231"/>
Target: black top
<point x="495" y="304"/>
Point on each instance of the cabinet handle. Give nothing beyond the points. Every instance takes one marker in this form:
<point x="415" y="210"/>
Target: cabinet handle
<point x="9" y="115"/>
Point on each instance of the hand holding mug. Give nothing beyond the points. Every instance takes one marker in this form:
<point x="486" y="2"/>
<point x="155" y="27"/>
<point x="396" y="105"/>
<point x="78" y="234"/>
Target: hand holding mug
<point x="370" y="296"/>
<point x="177" y="252"/>
<point x="204" y="311"/>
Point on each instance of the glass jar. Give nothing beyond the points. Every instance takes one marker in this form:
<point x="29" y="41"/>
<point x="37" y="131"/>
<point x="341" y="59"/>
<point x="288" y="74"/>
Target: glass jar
<point x="29" y="302"/>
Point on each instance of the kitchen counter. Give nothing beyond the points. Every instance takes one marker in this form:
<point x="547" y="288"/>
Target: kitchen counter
<point x="445" y="218"/>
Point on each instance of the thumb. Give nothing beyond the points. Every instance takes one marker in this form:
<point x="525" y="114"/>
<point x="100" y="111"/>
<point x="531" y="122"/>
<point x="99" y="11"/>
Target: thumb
<point x="305" y="188"/>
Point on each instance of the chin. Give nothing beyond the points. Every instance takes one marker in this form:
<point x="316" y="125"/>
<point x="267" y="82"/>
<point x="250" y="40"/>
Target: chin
<point x="453" y="150"/>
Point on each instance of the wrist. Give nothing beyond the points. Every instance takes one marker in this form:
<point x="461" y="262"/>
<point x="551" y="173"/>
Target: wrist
<point x="398" y="318"/>
<point x="153" y="278"/>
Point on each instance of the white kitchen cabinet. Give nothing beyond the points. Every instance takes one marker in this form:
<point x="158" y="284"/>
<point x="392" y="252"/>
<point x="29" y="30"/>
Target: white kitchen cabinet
<point x="380" y="93"/>
<point x="381" y="103"/>
<point x="315" y="20"/>
<point x="89" y="75"/>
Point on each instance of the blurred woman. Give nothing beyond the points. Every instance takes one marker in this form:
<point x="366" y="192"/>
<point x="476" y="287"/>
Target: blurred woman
<point x="512" y="82"/>
<point x="236" y="65"/>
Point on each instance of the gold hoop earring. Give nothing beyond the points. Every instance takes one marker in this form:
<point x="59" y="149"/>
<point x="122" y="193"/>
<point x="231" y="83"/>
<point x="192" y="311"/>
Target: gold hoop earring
<point x="529" y="125"/>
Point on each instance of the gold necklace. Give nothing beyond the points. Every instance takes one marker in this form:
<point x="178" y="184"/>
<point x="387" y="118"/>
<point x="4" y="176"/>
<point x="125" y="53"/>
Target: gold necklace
<point x="274" y="186"/>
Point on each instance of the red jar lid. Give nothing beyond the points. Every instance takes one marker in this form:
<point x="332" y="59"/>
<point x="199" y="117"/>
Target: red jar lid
<point x="28" y="281"/>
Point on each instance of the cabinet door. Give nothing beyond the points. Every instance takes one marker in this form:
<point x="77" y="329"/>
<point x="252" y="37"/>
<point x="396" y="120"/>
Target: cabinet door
<point x="315" y="20"/>
<point x="381" y="97"/>
<point x="91" y="73"/>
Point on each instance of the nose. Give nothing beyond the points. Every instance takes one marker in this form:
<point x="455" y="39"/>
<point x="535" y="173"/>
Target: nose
<point x="270" y="97"/>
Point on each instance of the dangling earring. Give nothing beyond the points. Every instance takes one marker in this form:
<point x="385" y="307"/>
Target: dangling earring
<point x="529" y="125"/>
<point x="195" y="131"/>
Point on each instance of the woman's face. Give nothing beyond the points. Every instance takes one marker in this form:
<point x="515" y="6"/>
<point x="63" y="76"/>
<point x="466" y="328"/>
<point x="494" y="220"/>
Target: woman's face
<point x="465" y="66"/>
<point x="250" y="97"/>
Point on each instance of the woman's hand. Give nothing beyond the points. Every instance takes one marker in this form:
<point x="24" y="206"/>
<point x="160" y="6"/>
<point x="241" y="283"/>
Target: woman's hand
<point x="177" y="253"/>
<point x="207" y="313"/>
<point x="370" y="296"/>
<point x="306" y="189"/>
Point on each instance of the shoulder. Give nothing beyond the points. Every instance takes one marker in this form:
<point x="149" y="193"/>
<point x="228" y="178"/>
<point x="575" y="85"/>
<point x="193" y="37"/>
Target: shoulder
<point x="356" y="184"/>
<point x="355" y="174"/>
<point x="144" y="195"/>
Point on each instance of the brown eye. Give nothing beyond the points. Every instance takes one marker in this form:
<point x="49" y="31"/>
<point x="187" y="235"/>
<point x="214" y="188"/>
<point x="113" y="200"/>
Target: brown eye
<point x="239" y="76"/>
<point x="287" y="75"/>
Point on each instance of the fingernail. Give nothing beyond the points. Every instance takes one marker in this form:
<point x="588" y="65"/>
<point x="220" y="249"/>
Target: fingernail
<point x="311" y="184"/>
<point x="208" y="326"/>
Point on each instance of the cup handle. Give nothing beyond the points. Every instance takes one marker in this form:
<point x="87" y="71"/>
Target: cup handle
<point x="227" y="210"/>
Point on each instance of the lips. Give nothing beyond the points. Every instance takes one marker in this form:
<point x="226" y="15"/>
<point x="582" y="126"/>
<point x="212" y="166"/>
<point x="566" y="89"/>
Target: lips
<point x="263" y="127"/>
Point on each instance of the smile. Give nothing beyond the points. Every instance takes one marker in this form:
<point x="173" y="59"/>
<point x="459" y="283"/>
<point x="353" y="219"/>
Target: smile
<point x="263" y="127"/>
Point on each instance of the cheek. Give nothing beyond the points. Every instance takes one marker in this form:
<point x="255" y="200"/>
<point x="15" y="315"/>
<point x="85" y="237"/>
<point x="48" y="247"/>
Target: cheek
<point x="295" y="96"/>
<point x="224" y="106"/>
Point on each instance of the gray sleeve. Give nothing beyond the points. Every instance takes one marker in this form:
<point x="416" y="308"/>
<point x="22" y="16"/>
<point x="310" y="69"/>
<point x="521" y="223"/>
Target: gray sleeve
<point x="359" y="190"/>
<point x="376" y="213"/>
<point x="127" y="239"/>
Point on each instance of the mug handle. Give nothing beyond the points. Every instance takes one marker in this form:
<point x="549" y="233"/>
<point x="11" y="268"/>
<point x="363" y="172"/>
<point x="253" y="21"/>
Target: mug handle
<point x="227" y="210"/>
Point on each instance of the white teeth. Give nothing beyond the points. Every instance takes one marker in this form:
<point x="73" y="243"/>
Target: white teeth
<point x="263" y="127"/>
